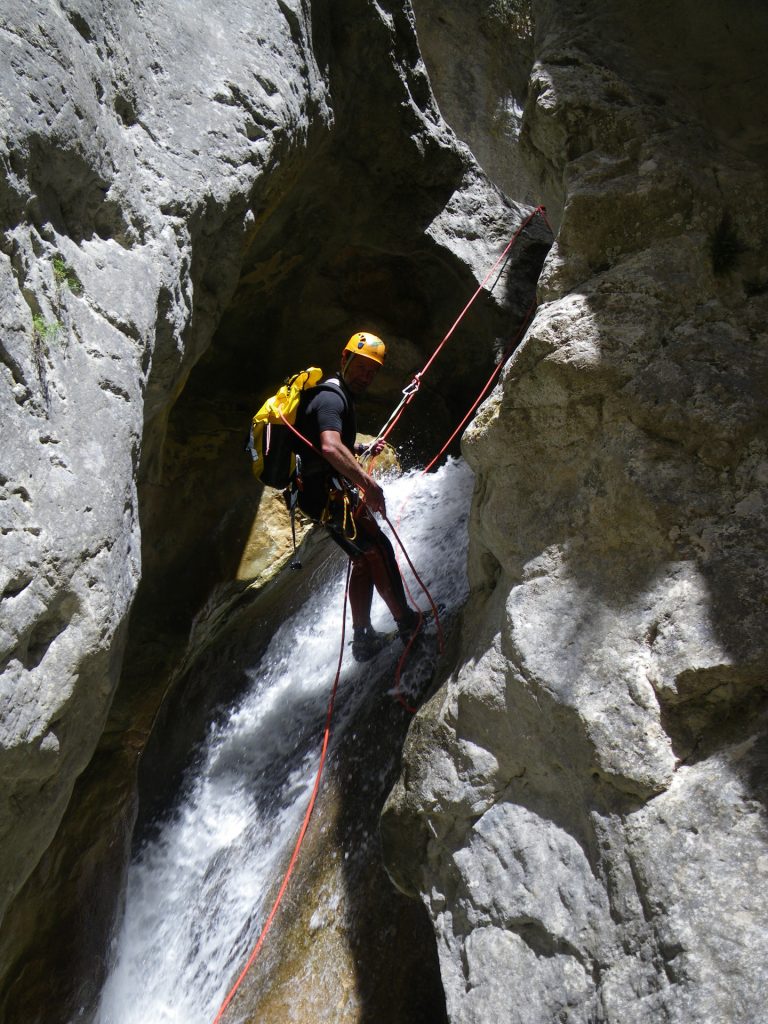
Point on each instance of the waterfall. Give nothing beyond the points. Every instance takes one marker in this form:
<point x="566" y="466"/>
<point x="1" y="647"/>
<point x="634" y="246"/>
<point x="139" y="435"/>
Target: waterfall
<point x="195" y="899"/>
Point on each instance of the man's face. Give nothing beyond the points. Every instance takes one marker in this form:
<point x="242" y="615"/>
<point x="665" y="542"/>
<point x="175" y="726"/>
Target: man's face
<point x="359" y="371"/>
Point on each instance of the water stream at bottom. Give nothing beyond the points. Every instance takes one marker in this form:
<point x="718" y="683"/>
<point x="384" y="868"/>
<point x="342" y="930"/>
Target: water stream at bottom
<point x="195" y="898"/>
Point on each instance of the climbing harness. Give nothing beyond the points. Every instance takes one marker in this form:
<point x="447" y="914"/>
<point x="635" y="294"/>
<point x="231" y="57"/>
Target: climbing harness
<point x="284" y="414"/>
<point x="340" y="508"/>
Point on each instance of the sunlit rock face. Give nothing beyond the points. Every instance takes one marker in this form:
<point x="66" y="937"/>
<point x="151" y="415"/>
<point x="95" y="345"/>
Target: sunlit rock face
<point x="128" y="162"/>
<point x="195" y="201"/>
<point x="582" y="806"/>
<point x="479" y="56"/>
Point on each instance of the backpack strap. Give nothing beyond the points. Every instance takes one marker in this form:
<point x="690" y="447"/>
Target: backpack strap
<point x="334" y="384"/>
<point x="291" y="497"/>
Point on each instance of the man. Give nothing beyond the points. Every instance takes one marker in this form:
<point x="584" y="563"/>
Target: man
<point x="336" y="491"/>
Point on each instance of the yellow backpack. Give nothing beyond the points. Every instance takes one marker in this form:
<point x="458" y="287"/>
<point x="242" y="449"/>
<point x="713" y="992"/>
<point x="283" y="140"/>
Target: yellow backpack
<point x="270" y="443"/>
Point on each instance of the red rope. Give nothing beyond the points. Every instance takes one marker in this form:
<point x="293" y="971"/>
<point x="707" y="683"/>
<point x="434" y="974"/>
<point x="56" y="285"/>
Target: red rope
<point x="300" y="436"/>
<point x="441" y="642"/>
<point x="496" y="371"/>
<point x="409" y="393"/>
<point x="491" y="380"/>
<point x="510" y="243"/>
<point x="305" y="824"/>
<point x="413" y="387"/>
<point x="399" y="670"/>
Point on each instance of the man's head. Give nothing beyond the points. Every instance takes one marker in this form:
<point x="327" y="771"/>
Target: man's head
<point x="361" y="360"/>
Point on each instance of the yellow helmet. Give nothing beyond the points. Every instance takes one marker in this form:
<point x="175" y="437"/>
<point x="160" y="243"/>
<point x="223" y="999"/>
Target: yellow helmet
<point x="368" y="345"/>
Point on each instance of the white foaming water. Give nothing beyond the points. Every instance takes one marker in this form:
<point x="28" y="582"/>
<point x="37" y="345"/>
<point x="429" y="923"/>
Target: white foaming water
<point x="195" y="900"/>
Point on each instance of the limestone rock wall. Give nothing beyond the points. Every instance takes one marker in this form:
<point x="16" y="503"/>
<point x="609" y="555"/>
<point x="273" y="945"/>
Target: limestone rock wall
<point x="127" y="160"/>
<point x="582" y="806"/>
<point x="194" y="198"/>
<point x="478" y="56"/>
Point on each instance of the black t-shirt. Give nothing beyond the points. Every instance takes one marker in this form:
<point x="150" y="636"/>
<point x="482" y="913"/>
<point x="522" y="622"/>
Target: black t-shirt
<point x="329" y="406"/>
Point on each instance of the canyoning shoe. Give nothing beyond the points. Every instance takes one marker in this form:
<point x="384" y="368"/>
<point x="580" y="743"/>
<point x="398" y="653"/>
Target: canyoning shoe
<point x="409" y="626"/>
<point x="366" y="643"/>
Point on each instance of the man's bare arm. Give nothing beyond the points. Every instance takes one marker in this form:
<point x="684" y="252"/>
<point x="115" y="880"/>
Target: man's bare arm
<point x="341" y="458"/>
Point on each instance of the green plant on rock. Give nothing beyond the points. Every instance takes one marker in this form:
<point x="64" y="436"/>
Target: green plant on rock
<point x="46" y="330"/>
<point x="64" y="275"/>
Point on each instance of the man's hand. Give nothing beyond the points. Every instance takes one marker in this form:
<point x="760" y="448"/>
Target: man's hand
<point x="373" y="496"/>
<point x="376" y="448"/>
